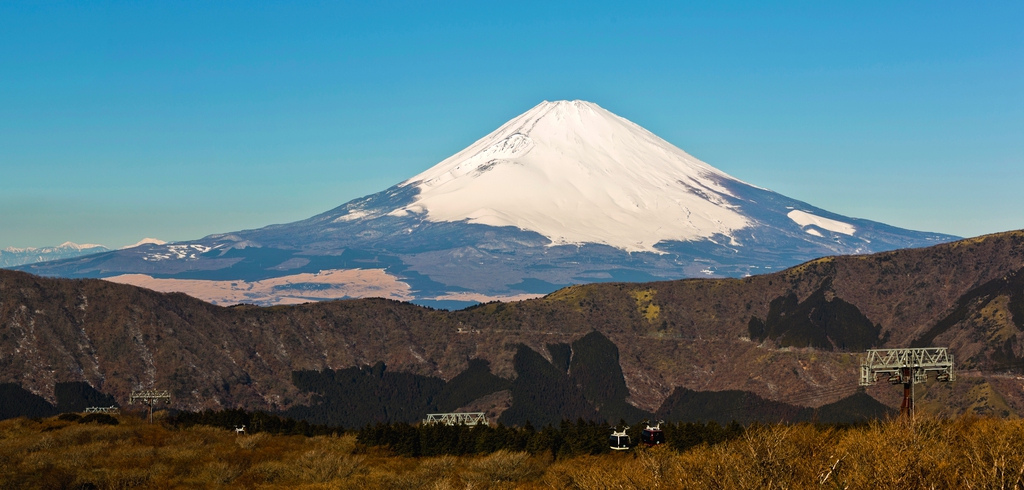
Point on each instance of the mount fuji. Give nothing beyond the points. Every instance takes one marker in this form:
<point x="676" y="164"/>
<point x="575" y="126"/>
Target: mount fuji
<point x="565" y="193"/>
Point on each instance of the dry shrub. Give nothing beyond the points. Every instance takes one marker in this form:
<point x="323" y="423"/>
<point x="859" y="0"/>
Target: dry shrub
<point x="895" y="454"/>
<point x="586" y="473"/>
<point x="504" y="466"/>
<point x="128" y="478"/>
<point x="654" y="466"/>
<point x="776" y="456"/>
<point x="268" y="472"/>
<point x="76" y="435"/>
<point x="51" y="478"/>
<point x="969" y="453"/>
<point x="991" y="452"/>
<point x="80" y="456"/>
<point x="41" y="443"/>
<point x="344" y="444"/>
<point x="641" y="468"/>
<point x="251" y="442"/>
<point x="122" y="479"/>
<point x="438" y="468"/>
<point x="382" y="478"/>
<point x="319" y="466"/>
<point x="216" y="472"/>
<point x="182" y="456"/>
<point x="200" y="433"/>
<point x="444" y="484"/>
<point x="128" y="452"/>
<point x="36" y="462"/>
<point x="382" y="471"/>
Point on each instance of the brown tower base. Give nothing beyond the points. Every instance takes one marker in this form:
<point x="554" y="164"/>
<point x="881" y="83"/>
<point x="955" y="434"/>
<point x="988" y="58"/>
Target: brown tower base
<point x="907" y="408"/>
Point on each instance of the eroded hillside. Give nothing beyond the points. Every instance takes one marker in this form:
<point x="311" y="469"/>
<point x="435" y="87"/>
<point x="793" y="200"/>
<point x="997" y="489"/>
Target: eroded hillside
<point x="791" y="336"/>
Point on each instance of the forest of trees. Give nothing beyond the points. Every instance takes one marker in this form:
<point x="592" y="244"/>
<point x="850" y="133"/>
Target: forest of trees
<point x="71" y="397"/>
<point x="566" y="439"/>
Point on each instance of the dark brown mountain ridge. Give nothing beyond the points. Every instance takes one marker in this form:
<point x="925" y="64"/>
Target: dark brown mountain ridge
<point x="791" y="336"/>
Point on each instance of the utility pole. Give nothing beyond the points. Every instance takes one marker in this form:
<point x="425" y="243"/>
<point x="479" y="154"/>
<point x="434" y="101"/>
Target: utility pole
<point x="150" y="397"/>
<point x="907" y="367"/>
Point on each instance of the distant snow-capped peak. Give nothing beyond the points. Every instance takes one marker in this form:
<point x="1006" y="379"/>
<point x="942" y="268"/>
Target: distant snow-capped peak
<point x="145" y="241"/>
<point x="576" y="173"/>
<point x="76" y="246"/>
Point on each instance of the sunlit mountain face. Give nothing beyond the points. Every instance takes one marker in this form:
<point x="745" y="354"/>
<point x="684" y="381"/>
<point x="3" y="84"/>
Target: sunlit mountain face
<point x="564" y="193"/>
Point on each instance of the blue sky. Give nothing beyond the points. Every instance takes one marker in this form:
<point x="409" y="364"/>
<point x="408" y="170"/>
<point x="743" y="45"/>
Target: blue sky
<point x="176" y="119"/>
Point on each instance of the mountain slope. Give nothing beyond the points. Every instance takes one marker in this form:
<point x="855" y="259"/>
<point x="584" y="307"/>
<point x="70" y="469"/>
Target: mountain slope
<point x="692" y="334"/>
<point x="566" y="193"/>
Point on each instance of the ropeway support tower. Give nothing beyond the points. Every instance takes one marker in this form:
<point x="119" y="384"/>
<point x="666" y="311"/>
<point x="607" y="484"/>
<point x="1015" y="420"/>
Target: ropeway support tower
<point x="907" y="367"/>
<point x="461" y="418"/>
<point x="150" y="397"/>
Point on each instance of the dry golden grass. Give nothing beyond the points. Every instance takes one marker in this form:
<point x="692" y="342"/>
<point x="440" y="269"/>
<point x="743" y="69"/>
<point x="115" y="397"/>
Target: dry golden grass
<point x="963" y="453"/>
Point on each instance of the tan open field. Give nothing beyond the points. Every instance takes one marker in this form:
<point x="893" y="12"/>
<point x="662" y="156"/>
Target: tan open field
<point x="962" y="453"/>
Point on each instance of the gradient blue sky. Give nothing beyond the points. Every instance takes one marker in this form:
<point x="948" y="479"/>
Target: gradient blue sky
<point x="177" y="119"/>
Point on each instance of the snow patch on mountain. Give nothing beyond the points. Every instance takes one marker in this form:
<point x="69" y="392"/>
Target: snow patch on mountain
<point x="77" y="246"/>
<point x="145" y="241"/>
<point x="178" y="252"/>
<point x="352" y="216"/>
<point x="804" y="218"/>
<point x="576" y="173"/>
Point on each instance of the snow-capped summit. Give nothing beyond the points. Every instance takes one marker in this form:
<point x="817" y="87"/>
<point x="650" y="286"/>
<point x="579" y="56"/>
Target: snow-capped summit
<point x="145" y="241"/>
<point x="565" y="193"/>
<point x="78" y="246"/>
<point x="576" y="173"/>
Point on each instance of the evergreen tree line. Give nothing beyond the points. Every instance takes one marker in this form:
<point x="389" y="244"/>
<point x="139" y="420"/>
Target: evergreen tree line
<point x="253" y="421"/>
<point x="357" y="396"/>
<point x="72" y="397"/>
<point x="568" y="439"/>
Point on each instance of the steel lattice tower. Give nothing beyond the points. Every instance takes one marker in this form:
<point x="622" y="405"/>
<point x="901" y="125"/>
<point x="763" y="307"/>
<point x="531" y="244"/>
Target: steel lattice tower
<point x="150" y="397"/>
<point x="908" y="367"/>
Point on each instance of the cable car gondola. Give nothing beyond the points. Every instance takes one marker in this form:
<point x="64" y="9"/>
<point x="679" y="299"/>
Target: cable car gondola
<point x="619" y="441"/>
<point x="652" y="436"/>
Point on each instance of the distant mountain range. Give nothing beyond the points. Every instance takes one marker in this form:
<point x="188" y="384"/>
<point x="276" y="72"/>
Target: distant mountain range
<point x="11" y="256"/>
<point x="565" y="193"/>
<point x="753" y="348"/>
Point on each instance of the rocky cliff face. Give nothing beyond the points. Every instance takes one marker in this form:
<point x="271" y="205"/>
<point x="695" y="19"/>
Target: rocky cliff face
<point x="791" y="336"/>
